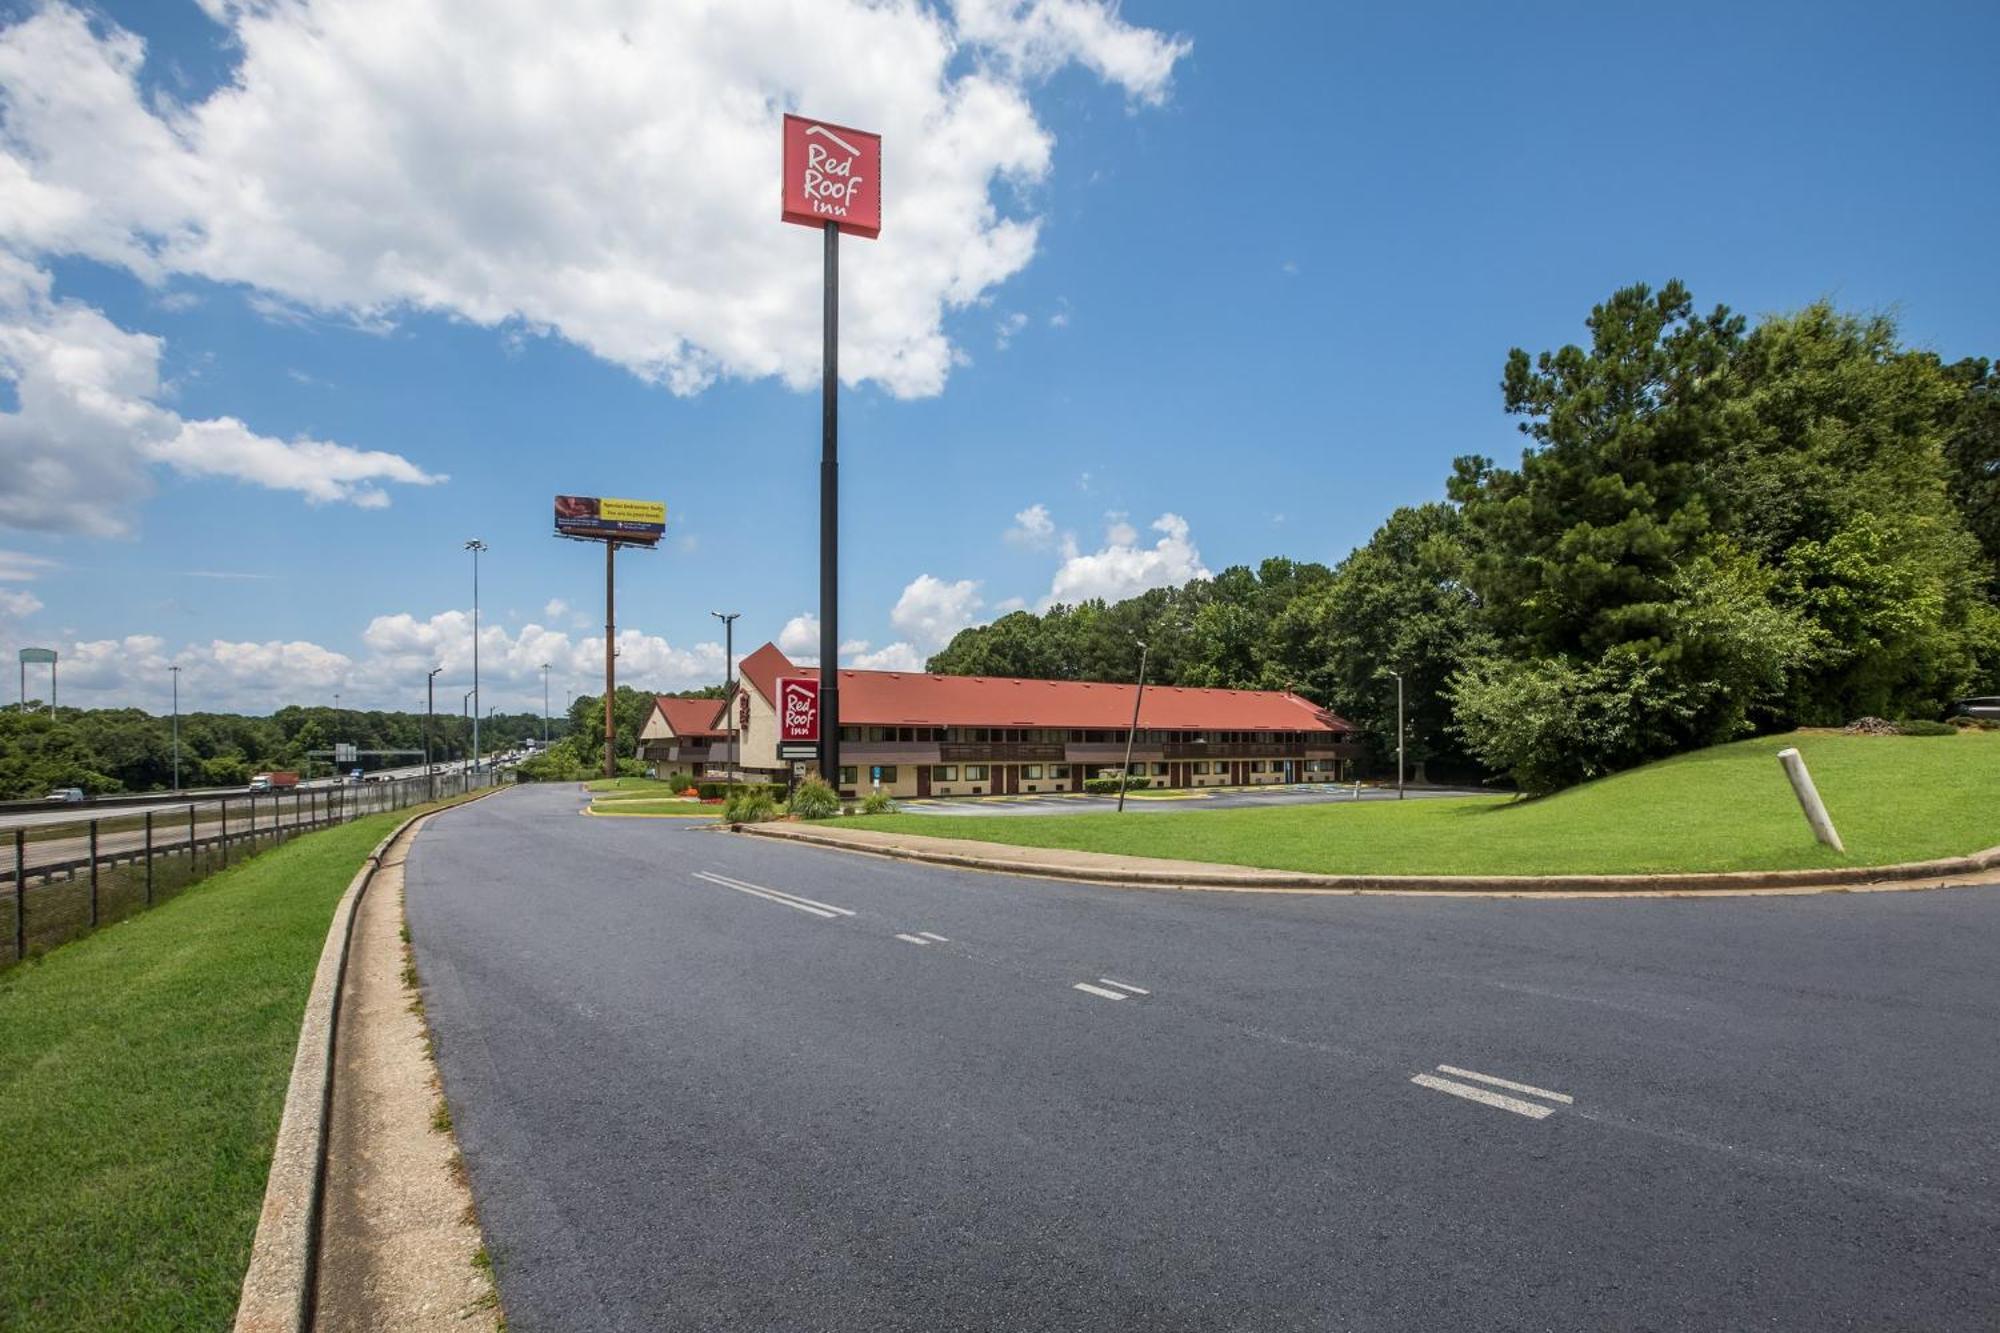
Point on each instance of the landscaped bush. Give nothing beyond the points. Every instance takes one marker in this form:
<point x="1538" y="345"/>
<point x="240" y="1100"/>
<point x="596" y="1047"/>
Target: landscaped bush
<point x="679" y="781"/>
<point x="553" y="765"/>
<point x="750" y="805"/>
<point x="815" y="800"/>
<point x="877" y="803"/>
<point x="632" y="768"/>
<point x="1109" y="786"/>
<point x="1925" y="727"/>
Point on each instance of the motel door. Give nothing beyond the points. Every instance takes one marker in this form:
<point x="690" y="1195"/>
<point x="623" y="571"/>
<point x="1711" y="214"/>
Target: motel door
<point x="923" y="779"/>
<point x="1011" y="775"/>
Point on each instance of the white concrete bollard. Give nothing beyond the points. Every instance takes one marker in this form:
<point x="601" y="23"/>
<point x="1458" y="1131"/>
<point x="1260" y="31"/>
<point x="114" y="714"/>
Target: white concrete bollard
<point x="1809" y="801"/>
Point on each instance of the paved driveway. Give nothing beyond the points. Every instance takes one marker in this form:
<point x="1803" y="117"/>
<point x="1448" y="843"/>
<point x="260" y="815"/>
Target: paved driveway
<point x="712" y="1082"/>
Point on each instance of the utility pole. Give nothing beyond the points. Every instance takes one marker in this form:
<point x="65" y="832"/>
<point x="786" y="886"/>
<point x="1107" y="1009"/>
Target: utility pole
<point x="176" y="672"/>
<point x="465" y="715"/>
<point x="728" y="620"/>
<point x="1132" y="734"/>
<point x="1399" y="731"/>
<point x="610" y="663"/>
<point x="475" y="546"/>
<point x="430" y="708"/>
<point x="545" y="705"/>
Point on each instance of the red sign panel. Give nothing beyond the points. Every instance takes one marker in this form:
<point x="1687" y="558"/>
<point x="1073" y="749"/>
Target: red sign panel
<point x="833" y="174"/>
<point x="798" y="710"/>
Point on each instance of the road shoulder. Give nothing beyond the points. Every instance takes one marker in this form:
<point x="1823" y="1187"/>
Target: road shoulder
<point x="401" y="1247"/>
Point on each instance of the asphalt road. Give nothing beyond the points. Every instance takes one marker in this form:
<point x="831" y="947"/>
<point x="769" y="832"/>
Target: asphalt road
<point x="687" y="1104"/>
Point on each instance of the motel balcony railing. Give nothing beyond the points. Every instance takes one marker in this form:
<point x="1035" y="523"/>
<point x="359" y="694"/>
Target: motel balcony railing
<point x="1001" y="752"/>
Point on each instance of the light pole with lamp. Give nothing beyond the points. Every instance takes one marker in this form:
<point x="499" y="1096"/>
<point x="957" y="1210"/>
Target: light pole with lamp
<point x="465" y="716"/>
<point x="728" y="619"/>
<point x="176" y="672"/>
<point x="430" y="709"/>
<point x="1399" y="731"/>
<point x="1125" y="774"/>
<point x="545" y="705"/>
<point x="475" y="546"/>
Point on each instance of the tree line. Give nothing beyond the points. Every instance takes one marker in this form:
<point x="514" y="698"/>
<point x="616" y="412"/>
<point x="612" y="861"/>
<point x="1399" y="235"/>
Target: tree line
<point x="105" y="750"/>
<point x="1713" y="530"/>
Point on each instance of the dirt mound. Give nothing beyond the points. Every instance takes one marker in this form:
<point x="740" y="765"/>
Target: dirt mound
<point x="1872" y="726"/>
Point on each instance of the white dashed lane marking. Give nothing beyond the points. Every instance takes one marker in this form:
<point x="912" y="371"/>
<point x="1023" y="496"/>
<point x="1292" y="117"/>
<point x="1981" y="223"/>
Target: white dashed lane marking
<point x="1099" y="991"/>
<point x="933" y="937"/>
<point x="1486" y="1097"/>
<point x="1125" y="986"/>
<point x="913" y="939"/>
<point x="791" y="900"/>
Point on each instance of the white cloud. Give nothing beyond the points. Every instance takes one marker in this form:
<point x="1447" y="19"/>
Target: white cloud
<point x="21" y="567"/>
<point x="78" y="452"/>
<point x="1037" y="36"/>
<point x="555" y="608"/>
<point x="1033" y="528"/>
<point x="1123" y="568"/>
<point x="799" y="639"/>
<point x="18" y="604"/>
<point x="930" y="610"/>
<point x="890" y="657"/>
<point x="1007" y="326"/>
<point x="609" y="178"/>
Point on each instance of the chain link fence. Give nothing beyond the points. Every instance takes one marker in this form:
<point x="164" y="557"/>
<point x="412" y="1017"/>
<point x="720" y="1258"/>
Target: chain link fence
<point x="59" y="880"/>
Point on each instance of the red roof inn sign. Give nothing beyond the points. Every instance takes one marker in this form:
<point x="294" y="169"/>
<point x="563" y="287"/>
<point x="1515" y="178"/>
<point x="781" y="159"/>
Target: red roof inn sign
<point x="798" y="710"/>
<point x="833" y="174"/>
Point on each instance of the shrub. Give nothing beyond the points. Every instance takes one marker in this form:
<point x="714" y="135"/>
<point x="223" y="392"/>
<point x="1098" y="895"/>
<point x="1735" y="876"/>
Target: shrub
<point x="678" y="781"/>
<point x="1109" y="786"/>
<point x="878" y="803"/>
<point x="815" y="800"/>
<point x="750" y="805"/>
<point x="1925" y="727"/>
<point x="554" y="765"/>
<point x="632" y="768"/>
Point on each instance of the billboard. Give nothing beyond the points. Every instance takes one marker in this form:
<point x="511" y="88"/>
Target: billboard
<point x="798" y="710"/>
<point x="832" y="174"/>
<point x="641" y="522"/>
<point x="44" y="655"/>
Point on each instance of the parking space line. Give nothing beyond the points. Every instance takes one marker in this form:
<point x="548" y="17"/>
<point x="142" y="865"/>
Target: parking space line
<point x="1528" y="1088"/>
<point x="792" y="900"/>
<point x="913" y="939"/>
<point x="1099" y="991"/>
<point x="933" y="937"/>
<point x="1125" y="985"/>
<point x="1532" y="1110"/>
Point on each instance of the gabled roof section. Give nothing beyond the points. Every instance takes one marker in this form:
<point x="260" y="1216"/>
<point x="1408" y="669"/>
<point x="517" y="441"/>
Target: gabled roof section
<point x="691" y="719"/>
<point x="915" y="698"/>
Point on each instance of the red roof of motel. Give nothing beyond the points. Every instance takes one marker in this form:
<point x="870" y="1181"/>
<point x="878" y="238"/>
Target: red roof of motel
<point x="692" y="717"/>
<point x="906" y="698"/>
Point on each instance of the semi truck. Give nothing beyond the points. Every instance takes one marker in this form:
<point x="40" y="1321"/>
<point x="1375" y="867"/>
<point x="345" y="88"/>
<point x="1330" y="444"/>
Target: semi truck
<point x="273" y="781"/>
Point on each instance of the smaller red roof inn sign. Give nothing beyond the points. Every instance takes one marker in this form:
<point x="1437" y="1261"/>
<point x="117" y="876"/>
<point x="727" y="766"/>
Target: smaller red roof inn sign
<point x="798" y="710"/>
<point x="833" y="174"/>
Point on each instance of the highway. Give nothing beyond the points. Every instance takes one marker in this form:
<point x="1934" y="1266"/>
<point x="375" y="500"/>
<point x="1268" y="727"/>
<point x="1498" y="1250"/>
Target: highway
<point x="205" y="799"/>
<point x="707" y="1081"/>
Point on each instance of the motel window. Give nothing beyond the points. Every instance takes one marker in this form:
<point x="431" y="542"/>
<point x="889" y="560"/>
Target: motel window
<point x="1059" y="770"/>
<point x="1159" y="770"/>
<point x="1256" y="765"/>
<point x="1201" y="768"/>
<point x="846" y="733"/>
<point x="888" y="772"/>
<point x="846" y="774"/>
<point x="975" y="772"/>
<point x="1076" y="736"/>
<point x="944" y="772"/>
<point x="1032" y="772"/>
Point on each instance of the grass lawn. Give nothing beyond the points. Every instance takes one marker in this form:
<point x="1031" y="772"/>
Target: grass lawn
<point x="142" y="1074"/>
<point x="631" y="806"/>
<point x="1893" y="798"/>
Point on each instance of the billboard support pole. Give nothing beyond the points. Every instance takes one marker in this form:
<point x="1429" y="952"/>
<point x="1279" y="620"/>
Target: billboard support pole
<point x="829" y="521"/>
<point x="610" y="665"/>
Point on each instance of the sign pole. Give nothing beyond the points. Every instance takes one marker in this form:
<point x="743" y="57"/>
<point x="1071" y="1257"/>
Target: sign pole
<point x="829" y="521"/>
<point x="610" y="666"/>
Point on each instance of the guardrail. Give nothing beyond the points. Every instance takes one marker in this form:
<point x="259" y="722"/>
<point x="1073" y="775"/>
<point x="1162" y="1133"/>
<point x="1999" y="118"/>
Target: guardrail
<point x="59" y="880"/>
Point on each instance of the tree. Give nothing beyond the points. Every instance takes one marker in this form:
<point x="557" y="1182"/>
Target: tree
<point x="1972" y="453"/>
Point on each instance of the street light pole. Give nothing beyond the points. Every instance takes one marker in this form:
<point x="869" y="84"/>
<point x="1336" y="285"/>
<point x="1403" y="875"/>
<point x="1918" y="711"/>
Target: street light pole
<point x="728" y="620"/>
<point x="1132" y="734"/>
<point x="465" y="716"/>
<point x="1399" y="731"/>
<point x="177" y="726"/>
<point x="475" y="546"/>
<point x="545" y="705"/>
<point x="430" y="709"/>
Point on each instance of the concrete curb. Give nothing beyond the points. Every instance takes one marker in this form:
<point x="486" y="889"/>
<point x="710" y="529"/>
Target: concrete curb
<point x="278" y="1286"/>
<point x="1104" y="868"/>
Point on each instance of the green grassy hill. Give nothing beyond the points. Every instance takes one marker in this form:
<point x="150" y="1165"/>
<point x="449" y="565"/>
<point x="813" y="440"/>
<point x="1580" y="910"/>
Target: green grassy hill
<point x="1893" y="798"/>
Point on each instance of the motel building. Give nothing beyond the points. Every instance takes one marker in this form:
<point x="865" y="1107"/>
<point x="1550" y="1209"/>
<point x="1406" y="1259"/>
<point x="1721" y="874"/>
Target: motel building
<point x="919" y="735"/>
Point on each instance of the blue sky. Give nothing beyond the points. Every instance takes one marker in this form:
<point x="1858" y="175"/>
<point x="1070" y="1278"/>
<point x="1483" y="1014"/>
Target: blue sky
<point x="1281" y="253"/>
